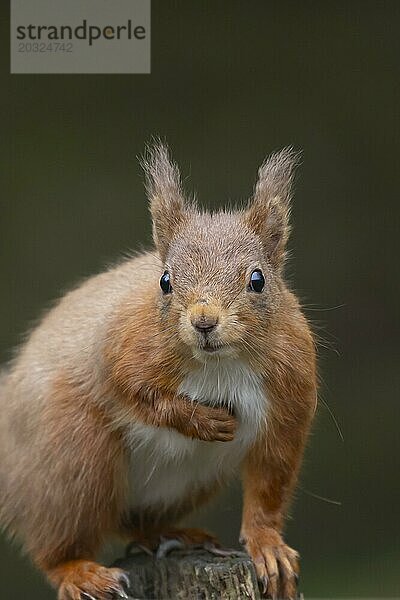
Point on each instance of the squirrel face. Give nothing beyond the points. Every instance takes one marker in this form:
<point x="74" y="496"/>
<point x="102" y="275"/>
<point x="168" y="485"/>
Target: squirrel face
<point x="222" y="272"/>
<point x="221" y="285"/>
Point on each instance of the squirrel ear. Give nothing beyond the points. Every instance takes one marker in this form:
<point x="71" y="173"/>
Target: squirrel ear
<point x="268" y="212"/>
<point x="167" y="204"/>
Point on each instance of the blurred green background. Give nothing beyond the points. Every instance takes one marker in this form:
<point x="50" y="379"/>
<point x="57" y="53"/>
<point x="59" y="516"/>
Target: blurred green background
<point x="232" y="81"/>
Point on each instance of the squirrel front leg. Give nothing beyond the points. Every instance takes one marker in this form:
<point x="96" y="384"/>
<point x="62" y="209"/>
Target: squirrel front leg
<point x="270" y="473"/>
<point x="147" y="390"/>
<point x="161" y="408"/>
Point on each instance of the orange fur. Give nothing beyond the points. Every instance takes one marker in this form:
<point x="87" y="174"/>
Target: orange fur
<point x="117" y="359"/>
<point x="88" y="493"/>
<point x="272" y="465"/>
<point x="77" y="576"/>
<point x="147" y="370"/>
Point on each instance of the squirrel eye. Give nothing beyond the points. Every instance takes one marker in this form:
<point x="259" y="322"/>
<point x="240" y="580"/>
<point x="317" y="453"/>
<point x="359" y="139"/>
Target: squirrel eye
<point x="165" y="283"/>
<point x="257" y="281"/>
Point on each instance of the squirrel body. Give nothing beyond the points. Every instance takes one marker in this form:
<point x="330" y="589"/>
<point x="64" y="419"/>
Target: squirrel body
<point x="186" y="464"/>
<point x="149" y="385"/>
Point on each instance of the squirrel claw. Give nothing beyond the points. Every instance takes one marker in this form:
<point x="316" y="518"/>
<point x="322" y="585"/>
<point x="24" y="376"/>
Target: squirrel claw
<point x="136" y="548"/>
<point x="166" y="546"/>
<point x="264" y="584"/>
<point x="219" y="551"/>
<point x="125" y="582"/>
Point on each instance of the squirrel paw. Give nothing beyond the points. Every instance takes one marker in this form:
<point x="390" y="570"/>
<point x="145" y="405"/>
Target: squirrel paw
<point x="212" y="424"/>
<point x="87" y="580"/>
<point x="166" y="546"/>
<point x="276" y="564"/>
<point x="178" y="539"/>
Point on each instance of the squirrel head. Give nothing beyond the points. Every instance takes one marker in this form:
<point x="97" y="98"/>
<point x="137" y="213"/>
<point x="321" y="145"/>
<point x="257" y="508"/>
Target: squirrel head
<point x="221" y="273"/>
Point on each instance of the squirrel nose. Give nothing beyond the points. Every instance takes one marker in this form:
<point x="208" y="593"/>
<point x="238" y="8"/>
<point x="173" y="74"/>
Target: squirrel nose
<point x="204" y="323"/>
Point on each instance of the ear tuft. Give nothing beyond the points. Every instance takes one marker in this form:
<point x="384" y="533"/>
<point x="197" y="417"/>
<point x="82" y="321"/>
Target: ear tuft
<point x="276" y="174"/>
<point x="268" y="211"/>
<point x="163" y="185"/>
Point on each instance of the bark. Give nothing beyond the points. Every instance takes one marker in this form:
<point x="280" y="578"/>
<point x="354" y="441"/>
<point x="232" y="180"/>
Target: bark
<point x="191" y="575"/>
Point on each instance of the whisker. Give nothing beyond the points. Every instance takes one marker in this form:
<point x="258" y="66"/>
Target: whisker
<point x="318" y="497"/>
<point x="334" y="419"/>
<point x="234" y="298"/>
<point x="311" y="307"/>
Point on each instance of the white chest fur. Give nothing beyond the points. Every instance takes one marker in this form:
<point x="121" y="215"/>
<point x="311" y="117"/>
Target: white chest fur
<point x="166" y="466"/>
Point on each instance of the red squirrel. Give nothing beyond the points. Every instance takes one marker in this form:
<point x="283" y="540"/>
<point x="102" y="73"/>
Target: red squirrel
<point x="151" y="384"/>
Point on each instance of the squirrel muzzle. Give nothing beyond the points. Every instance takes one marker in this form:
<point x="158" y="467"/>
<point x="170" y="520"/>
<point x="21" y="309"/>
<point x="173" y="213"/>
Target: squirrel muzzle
<point x="204" y="316"/>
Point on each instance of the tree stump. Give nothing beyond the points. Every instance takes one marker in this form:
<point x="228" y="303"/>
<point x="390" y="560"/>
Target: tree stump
<point x="191" y="575"/>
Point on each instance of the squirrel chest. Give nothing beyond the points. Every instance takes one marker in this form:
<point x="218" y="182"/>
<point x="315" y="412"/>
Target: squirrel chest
<point x="165" y="466"/>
